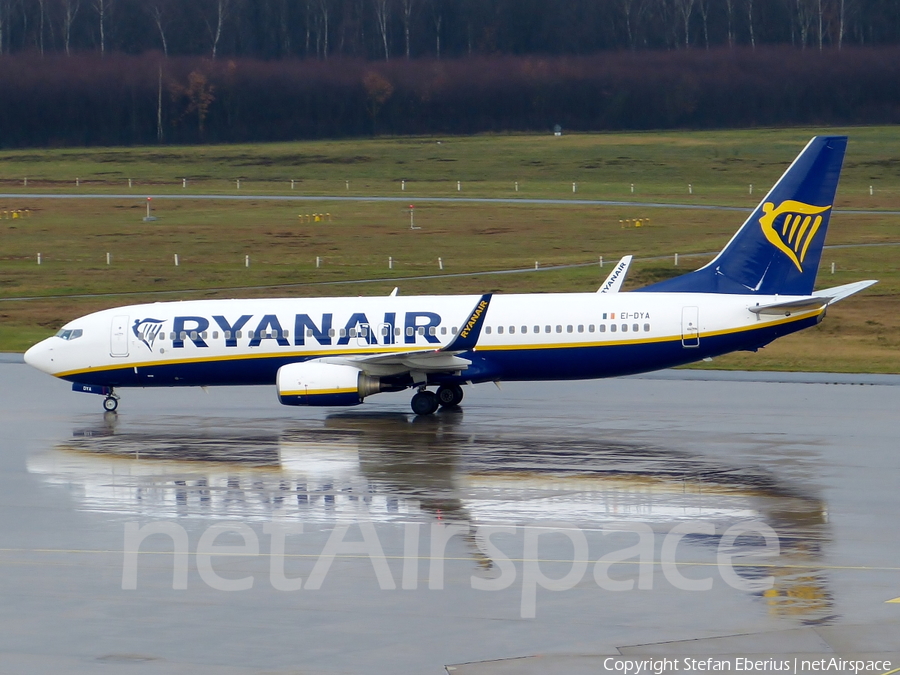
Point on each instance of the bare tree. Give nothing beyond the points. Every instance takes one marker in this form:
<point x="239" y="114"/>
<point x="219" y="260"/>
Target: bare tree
<point x="750" y="23"/>
<point x="437" y="16"/>
<point x="703" y="6"/>
<point x="223" y="9"/>
<point x="382" y="19"/>
<point x="686" y="8"/>
<point x="324" y="7"/>
<point x="729" y="8"/>
<point x="156" y="11"/>
<point x="70" y="10"/>
<point x="102" y="8"/>
<point x="408" y="7"/>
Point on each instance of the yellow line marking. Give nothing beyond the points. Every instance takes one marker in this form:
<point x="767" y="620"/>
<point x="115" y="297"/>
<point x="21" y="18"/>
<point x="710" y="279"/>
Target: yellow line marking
<point x="895" y="670"/>
<point x="896" y="600"/>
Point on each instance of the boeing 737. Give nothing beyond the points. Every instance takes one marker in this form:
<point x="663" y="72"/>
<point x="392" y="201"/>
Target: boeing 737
<point x="338" y="351"/>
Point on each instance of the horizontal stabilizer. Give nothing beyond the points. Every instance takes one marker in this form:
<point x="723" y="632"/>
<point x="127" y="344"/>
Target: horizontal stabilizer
<point x="617" y="277"/>
<point x="845" y="291"/>
<point x="823" y="298"/>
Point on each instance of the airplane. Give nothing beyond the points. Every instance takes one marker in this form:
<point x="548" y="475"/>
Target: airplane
<point x="338" y="351"/>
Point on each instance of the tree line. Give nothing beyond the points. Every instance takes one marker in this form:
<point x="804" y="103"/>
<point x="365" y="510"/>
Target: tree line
<point x="145" y="99"/>
<point x="391" y="29"/>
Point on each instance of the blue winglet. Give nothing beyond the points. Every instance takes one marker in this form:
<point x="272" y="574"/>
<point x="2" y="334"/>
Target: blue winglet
<point x="468" y="334"/>
<point x="778" y="249"/>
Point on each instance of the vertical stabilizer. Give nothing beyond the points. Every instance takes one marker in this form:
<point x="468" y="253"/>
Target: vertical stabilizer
<point x="778" y="248"/>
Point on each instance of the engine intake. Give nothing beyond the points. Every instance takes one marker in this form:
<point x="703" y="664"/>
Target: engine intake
<point x="325" y="384"/>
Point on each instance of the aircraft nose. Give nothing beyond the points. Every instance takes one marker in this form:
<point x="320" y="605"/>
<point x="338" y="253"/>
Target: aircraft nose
<point x="40" y="356"/>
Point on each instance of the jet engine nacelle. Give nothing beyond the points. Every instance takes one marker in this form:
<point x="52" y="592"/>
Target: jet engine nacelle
<point x="316" y="383"/>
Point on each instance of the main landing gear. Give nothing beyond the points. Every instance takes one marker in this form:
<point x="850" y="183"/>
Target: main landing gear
<point x="425" y="402"/>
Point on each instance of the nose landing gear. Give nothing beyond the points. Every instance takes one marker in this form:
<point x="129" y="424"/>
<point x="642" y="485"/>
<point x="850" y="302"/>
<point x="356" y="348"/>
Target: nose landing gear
<point x="110" y="403"/>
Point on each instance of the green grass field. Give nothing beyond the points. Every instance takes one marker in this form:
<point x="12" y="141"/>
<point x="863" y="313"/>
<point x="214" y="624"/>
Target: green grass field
<point x="356" y="238"/>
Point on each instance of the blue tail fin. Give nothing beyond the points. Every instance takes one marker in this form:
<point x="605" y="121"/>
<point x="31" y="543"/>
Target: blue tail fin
<point x="778" y="248"/>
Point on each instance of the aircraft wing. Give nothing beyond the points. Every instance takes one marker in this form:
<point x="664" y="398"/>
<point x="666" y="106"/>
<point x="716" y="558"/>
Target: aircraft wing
<point x="823" y="298"/>
<point x="443" y="360"/>
<point x="617" y="277"/>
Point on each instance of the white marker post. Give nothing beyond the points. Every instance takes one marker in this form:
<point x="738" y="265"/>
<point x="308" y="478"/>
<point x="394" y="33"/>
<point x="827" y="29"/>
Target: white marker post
<point x="574" y="188"/>
<point x="176" y="260"/>
<point x="517" y="186"/>
<point x="632" y="188"/>
<point x="676" y="260"/>
<point x="751" y="188"/>
<point x="238" y="183"/>
<point x="601" y="261"/>
<point x="77" y="182"/>
<point x="459" y="186"/>
<point x="129" y="183"/>
<point x="441" y="264"/>
<point x="39" y="258"/>
<point x="832" y="268"/>
<point x="690" y="189"/>
<point x="390" y="262"/>
<point x="26" y="182"/>
<point x="292" y="183"/>
<point x="246" y="261"/>
<point x="108" y="259"/>
<point x="871" y="190"/>
<point x="318" y="262"/>
<point x="535" y="264"/>
<point x="347" y="184"/>
<point x="403" y="185"/>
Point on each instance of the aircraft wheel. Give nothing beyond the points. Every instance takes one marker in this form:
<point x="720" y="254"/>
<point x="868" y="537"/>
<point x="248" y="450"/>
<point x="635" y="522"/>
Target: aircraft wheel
<point x="450" y="395"/>
<point x="110" y="404"/>
<point x="424" y="403"/>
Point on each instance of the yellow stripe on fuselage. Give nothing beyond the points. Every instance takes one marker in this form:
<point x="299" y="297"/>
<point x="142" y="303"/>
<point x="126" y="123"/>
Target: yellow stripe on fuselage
<point x="318" y="392"/>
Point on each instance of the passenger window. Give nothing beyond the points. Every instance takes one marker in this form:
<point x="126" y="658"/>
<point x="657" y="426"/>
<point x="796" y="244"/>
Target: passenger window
<point x="384" y="331"/>
<point x="512" y="329"/>
<point x="635" y="328"/>
<point x="558" y="329"/>
<point x="250" y="334"/>
<point x="183" y="335"/>
<point x="409" y="331"/>
<point x="443" y="330"/>
<point x="537" y="329"/>
<point x="397" y="331"/>
<point x="500" y="330"/>
<point x="591" y="328"/>
<point x="203" y="335"/>
<point x="580" y="329"/>
<point x="546" y="329"/>
<point x="602" y="327"/>
<point x="330" y="332"/>
<point x="646" y="327"/>
<point x="612" y="328"/>
<point x="432" y="330"/>
<point x="421" y="330"/>
<point x="342" y="332"/>
<point x="286" y="333"/>
<point x="238" y="334"/>
<point x="309" y="332"/>
<point x="624" y="327"/>
<point x="524" y="329"/>
<point x="453" y="330"/>
<point x="215" y="335"/>
<point x="487" y="330"/>
<point x="352" y="332"/>
<point x="569" y="329"/>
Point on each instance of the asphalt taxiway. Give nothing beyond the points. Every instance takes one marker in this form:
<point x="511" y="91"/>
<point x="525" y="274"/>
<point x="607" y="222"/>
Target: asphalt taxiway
<point x="364" y="540"/>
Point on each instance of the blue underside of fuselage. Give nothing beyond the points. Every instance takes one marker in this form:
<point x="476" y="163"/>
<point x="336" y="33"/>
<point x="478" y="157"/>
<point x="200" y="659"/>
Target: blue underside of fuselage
<point x="565" y="363"/>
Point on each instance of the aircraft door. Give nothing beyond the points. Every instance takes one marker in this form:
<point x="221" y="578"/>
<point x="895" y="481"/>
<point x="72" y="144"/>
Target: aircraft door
<point x="363" y="335"/>
<point x="118" y="336"/>
<point x="690" y="326"/>
<point x="384" y="334"/>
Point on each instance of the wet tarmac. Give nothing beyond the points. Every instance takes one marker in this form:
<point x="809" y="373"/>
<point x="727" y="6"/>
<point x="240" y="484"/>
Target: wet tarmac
<point x="541" y="528"/>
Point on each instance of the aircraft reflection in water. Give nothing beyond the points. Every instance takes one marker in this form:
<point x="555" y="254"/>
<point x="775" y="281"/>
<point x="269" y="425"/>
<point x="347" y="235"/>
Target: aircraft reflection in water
<point x="426" y="469"/>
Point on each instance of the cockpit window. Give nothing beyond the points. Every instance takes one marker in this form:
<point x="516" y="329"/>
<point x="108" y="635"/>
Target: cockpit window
<point x="70" y="334"/>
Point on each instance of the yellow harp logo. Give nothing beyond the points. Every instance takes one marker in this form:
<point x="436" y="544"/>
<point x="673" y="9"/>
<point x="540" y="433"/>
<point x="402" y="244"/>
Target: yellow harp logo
<point x="793" y="235"/>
